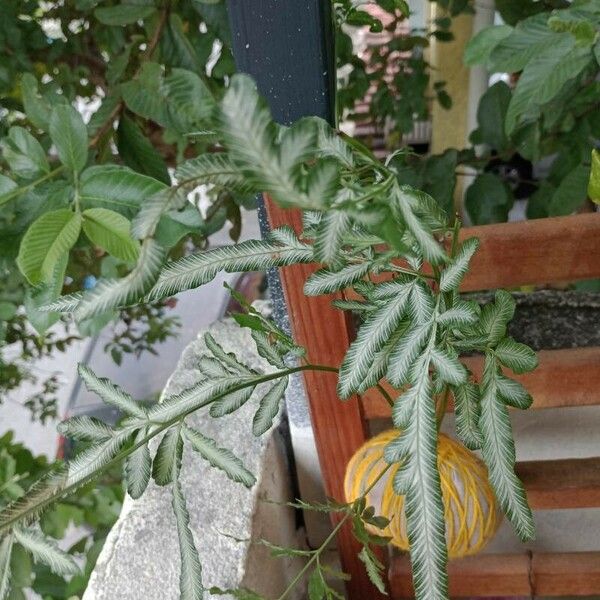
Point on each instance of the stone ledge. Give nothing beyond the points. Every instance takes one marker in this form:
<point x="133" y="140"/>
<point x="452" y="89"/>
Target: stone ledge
<point x="141" y="556"/>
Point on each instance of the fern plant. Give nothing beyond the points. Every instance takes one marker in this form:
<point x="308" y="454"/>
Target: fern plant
<point x="389" y="243"/>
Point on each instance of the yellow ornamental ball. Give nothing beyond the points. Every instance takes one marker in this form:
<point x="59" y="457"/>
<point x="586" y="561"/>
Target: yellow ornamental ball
<point x="470" y="508"/>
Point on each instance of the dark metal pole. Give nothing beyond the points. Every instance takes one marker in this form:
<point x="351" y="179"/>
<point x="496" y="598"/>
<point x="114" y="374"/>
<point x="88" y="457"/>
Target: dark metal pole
<point x="287" y="47"/>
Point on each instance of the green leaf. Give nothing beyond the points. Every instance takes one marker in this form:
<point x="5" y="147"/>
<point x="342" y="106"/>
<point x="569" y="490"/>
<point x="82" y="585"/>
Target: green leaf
<point x="138" y="152"/>
<point x="6" y="546"/>
<point x="543" y="78"/>
<point x="593" y="189"/>
<point x="483" y="43"/>
<point x="496" y="316"/>
<point x="221" y="458"/>
<point x="330" y="233"/>
<point x="371" y="337"/>
<point x="37" y="108"/>
<point x="85" y="428"/>
<point x="449" y="368"/>
<point x="488" y="200"/>
<point x="24" y="154"/>
<point x="36" y="298"/>
<point x="467" y="410"/>
<point x="252" y="255"/>
<point x="190" y="577"/>
<point x="123" y="14"/>
<point x="498" y="451"/>
<point x="513" y="393"/>
<point x="118" y="188"/>
<point x="189" y="101"/>
<point x="86" y="464"/>
<point x="115" y="293"/>
<point x="230" y="402"/>
<point x="138" y="467"/>
<point x="374" y="568"/>
<point x="110" y="393"/>
<point x="316" y="585"/>
<point x="453" y="274"/>
<point x="269" y="408"/>
<point x="46" y="551"/>
<point x="110" y="231"/>
<point x="46" y="242"/>
<point x="212" y="168"/>
<point x="571" y="192"/>
<point x="491" y="112"/>
<point x="518" y="357"/>
<point x="325" y="281"/>
<point x="69" y="134"/>
<point x="168" y="456"/>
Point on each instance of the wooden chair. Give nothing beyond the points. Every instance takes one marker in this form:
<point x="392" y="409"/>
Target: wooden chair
<point x="513" y="254"/>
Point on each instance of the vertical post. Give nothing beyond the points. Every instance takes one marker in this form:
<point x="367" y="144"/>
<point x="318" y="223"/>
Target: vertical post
<point x="287" y="46"/>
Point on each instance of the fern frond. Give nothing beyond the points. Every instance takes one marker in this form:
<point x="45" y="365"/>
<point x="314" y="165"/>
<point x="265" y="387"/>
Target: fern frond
<point x="453" y="274"/>
<point x="46" y="551"/>
<point x="110" y="393"/>
<point x="152" y="209"/>
<point x="252" y="255"/>
<point x="325" y="281"/>
<point x="168" y="456"/>
<point x="115" y="293"/>
<point x="268" y="408"/>
<point x="498" y="451"/>
<point x="467" y="410"/>
<point x="138" y="467"/>
<point x="330" y="235"/>
<point x="85" y="428"/>
<point x="221" y="458"/>
<point x="230" y="402"/>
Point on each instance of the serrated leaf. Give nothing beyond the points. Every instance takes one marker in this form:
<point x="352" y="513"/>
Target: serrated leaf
<point x="423" y="503"/>
<point x="449" y="368"/>
<point x="138" y="467"/>
<point x="46" y="241"/>
<point x="325" y="281"/>
<point x="268" y="408"/>
<point x="372" y="336"/>
<point x="46" y="551"/>
<point x="221" y="458"/>
<point x="252" y="255"/>
<point x="405" y="353"/>
<point x="453" y="274"/>
<point x="266" y="349"/>
<point x="402" y="207"/>
<point x="228" y="359"/>
<point x="512" y="392"/>
<point x="110" y="393"/>
<point x="90" y="460"/>
<point x="110" y="231"/>
<point x="374" y="568"/>
<point x="230" y="403"/>
<point x="168" y="456"/>
<point x="518" y="357"/>
<point x="467" y="410"/>
<point x="86" y="428"/>
<point x="115" y="293"/>
<point x="214" y="168"/>
<point x="190" y="577"/>
<point x="496" y="316"/>
<point x="69" y="135"/>
<point x="460" y="315"/>
<point x="6" y="546"/>
<point x="330" y="235"/>
<point x="498" y="451"/>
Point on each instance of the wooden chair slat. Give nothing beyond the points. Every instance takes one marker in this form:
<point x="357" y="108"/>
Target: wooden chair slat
<point x="569" y="377"/>
<point x="565" y="483"/>
<point x="493" y="575"/>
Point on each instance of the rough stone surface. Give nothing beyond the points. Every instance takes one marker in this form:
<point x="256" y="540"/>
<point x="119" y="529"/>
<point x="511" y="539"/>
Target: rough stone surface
<point x="141" y="556"/>
<point x="552" y="319"/>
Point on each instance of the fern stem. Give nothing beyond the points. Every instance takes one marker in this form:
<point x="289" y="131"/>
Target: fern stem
<point x="31" y="511"/>
<point x="384" y="393"/>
